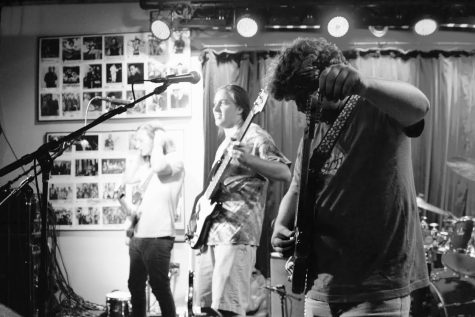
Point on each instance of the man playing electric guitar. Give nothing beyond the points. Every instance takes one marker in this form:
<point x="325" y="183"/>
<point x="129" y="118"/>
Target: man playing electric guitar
<point x="158" y="170"/>
<point x="227" y="261"/>
<point x="366" y="253"/>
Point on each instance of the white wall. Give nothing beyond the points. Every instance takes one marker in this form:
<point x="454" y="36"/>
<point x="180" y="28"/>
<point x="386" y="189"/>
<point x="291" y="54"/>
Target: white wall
<point x="97" y="261"/>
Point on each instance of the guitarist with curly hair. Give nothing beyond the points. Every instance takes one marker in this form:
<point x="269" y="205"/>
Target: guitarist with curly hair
<point x="358" y="250"/>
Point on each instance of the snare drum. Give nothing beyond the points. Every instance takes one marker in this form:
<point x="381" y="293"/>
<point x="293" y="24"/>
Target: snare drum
<point x="452" y="295"/>
<point x="118" y="304"/>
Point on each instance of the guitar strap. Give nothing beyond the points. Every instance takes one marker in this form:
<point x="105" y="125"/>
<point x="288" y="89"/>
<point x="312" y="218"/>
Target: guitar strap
<point x="322" y="152"/>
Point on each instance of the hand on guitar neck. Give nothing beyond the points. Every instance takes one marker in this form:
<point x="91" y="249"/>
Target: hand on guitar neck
<point x="286" y="239"/>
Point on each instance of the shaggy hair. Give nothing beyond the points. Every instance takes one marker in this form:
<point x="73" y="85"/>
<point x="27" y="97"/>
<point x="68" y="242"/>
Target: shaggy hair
<point x="287" y="82"/>
<point x="151" y="128"/>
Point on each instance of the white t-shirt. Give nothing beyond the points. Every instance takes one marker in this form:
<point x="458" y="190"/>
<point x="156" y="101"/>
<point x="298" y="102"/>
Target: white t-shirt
<point x="160" y="200"/>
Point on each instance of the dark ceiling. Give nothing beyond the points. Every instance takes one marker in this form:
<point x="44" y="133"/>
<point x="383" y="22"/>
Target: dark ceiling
<point x="222" y="13"/>
<point x="363" y="13"/>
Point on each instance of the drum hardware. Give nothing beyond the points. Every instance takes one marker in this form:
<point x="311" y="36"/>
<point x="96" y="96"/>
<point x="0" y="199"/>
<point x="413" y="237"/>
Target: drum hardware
<point x="280" y="290"/>
<point x="463" y="166"/>
<point x="118" y="304"/>
<point x="448" y="294"/>
<point x="421" y="203"/>
<point x="152" y="307"/>
<point x="454" y="294"/>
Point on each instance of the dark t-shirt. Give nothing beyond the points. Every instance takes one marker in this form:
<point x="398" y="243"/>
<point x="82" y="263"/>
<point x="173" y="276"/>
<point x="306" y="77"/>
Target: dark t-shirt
<point x="367" y="240"/>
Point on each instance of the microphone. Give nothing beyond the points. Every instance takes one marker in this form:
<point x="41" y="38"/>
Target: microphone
<point x="114" y="101"/>
<point x="192" y="77"/>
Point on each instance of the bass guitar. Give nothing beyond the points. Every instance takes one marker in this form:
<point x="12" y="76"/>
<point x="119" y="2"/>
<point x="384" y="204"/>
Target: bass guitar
<point x="205" y="207"/>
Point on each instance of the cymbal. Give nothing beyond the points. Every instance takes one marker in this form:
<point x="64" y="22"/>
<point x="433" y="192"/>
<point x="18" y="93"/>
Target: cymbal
<point x="421" y="203"/>
<point x="463" y="166"/>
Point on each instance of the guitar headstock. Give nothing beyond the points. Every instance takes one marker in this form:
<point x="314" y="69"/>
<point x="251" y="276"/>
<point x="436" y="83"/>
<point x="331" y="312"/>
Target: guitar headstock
<point x="260" y="102"/>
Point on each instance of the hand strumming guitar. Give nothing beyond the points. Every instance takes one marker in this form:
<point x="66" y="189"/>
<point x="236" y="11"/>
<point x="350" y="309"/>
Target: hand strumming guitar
<point x="283" y="239"/>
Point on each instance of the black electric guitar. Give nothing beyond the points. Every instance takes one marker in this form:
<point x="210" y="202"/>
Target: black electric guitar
<point x="130" y="211"/>
<point x="310" y="183"/>
<point x="298" y="266"/>
<point x="201" y="218"/>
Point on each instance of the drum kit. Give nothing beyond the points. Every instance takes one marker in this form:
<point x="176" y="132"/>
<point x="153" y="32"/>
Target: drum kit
<point x="450" y="256"/>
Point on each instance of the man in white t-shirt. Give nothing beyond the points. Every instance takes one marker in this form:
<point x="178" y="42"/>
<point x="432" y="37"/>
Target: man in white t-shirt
<point x="158" y="172"/>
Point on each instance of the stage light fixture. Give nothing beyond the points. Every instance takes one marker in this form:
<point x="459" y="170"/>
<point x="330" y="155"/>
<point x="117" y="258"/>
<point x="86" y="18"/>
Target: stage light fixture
<point x="378" y="31"/>
<point x="161" y="29"/>
<point x="425" y="26"/>
<point x="338" y="26"/>
<point x="247" y="25"/>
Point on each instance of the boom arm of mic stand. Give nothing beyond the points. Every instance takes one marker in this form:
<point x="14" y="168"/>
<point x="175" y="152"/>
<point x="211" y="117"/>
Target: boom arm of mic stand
<point x="45" y="148"/>
<point x="24" y="182"/>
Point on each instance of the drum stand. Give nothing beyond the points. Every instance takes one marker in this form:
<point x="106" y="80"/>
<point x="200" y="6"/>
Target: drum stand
<point x="280" y="290"/>
<point x="152" y="307"/>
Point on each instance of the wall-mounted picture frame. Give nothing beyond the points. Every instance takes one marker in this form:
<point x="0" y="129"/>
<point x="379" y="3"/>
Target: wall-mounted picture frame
<point x="72" y="70"/>
<point x="82" y="189"/>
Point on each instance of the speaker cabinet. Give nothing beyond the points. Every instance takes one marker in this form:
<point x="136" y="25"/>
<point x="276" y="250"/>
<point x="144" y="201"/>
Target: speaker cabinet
<point x="293" y="304"/>
<point x="19" y="249"/>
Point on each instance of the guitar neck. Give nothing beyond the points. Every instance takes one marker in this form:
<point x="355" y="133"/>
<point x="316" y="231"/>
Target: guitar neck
<point x="303" y="192"/>
<point x="226" y="159"/>
<point x="124" y="205"/>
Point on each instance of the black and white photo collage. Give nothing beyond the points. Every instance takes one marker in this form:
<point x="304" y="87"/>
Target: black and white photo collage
<point x="75" y="69"/>
<point x="86" y="179"/>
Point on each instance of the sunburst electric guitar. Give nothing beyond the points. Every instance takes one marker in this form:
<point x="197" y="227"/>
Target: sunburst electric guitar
<point x="205" y="207"/>
<point x="131" y="212"/>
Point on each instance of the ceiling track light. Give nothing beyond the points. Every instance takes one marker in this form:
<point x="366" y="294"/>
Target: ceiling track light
<point x="425" y="26"/>
<point x="338" y="26"/>
<point x="378" y="31"/>
<point x="247" y="25"/>
<point x="160" y="26"/>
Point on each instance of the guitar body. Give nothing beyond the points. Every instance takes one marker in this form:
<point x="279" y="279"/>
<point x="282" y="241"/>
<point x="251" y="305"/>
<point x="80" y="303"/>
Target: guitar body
<point x="134" y="218"/>
<point x="201" y="221"/>
<point x="131" y="212"/>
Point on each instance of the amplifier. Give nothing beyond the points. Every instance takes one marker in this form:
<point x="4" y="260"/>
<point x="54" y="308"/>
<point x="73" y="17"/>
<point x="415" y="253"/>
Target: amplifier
<point x="20" y="252"/>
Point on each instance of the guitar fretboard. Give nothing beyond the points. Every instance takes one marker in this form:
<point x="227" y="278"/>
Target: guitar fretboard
<point x="224" y="162"/>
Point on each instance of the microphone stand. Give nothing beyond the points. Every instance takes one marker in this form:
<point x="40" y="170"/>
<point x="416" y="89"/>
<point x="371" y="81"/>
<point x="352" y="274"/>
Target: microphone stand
<point x="46" y="161"/>
<point x="280" y="290"/>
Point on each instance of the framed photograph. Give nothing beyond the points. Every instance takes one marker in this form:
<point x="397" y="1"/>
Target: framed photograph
<point x="82" y="189"/>
<point x="72" y="70"/>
